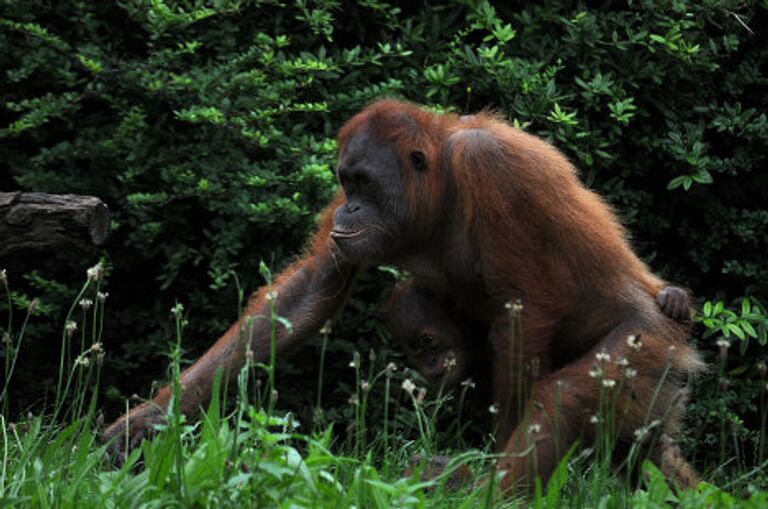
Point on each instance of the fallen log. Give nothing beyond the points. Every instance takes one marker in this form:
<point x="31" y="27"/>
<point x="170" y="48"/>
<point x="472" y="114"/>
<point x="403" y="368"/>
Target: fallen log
<point x="42" y="221"/>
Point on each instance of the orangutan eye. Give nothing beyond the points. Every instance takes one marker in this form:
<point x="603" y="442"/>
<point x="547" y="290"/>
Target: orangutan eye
<point x="425" y="340"/>
<point x="419" y="160"/>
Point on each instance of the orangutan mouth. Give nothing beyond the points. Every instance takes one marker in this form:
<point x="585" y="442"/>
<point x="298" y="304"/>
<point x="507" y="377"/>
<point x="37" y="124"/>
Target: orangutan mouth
<point x="343" y="234"/>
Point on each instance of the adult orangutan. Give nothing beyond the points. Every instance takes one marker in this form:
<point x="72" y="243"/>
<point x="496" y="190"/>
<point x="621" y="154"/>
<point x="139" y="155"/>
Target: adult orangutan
<point x="482" y="214"/>
<point x="447" y="349"/>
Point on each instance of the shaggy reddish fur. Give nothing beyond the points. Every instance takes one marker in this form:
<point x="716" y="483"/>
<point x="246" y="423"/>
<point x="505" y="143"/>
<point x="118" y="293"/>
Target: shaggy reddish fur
<point x="499" y="215"/>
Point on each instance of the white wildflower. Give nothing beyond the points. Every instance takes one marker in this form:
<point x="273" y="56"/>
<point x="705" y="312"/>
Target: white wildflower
<point x="723" y="343"/>
<point x="326" y="328"/>
<point x="95" y="273"/>
<point x="70" y="327"/>
<point x="641" y="434"/>
<point x="634" y="342"/>
<point x="355" y="360"/>
<point x="177" y="310"/>
<point x="602" y="356"/>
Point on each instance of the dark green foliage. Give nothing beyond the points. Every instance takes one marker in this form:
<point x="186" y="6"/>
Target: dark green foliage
<point x="207" y="126"/>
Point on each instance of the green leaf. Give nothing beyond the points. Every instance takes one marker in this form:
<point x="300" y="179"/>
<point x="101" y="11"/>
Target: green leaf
<point x="739" y="370"/>
<point x="676" y="182"/>
<point x="736" y="330"/>
<point x="503" y="33"/>
<point x="656" y="483"/>
<point x="749" y="329"/>
<point x="745" y="306"/>
<point x="702" y="177"/>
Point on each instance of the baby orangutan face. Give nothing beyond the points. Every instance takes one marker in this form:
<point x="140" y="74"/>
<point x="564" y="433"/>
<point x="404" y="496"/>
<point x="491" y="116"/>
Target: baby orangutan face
<point x="432" y="344"/>
<point x="434" y="354"/>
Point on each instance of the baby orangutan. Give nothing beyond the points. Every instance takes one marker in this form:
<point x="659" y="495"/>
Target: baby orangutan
<point x="443" y="349"/>
<point x="446" y="350"/>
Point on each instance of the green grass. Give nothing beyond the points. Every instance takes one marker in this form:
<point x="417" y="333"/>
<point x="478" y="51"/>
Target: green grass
<point x="250" y="454"/>
<point x="250" y="459"/>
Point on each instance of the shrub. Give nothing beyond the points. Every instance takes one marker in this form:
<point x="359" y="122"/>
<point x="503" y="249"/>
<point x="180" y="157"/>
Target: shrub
<point x="208" y="128"/>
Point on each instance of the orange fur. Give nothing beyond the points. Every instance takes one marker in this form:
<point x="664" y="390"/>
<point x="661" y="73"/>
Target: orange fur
<point x="498" y="215"/>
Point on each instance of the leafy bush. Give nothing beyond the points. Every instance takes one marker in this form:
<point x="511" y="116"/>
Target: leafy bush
<point x="208" y="126"/>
